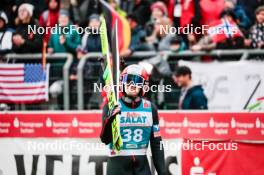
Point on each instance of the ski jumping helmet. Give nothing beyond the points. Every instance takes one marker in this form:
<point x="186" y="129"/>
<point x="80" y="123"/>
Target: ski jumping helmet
<point x="137" y="75"/>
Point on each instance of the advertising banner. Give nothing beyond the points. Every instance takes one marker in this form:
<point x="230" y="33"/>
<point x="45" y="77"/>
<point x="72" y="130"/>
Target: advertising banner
<point x="223" y="158"/>
<point x="67" y="143"/>
<point x="67" y="156"/>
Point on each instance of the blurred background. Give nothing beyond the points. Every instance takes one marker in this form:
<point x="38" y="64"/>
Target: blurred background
<point x="50" y="118"/>
<point x="227" y="66"/>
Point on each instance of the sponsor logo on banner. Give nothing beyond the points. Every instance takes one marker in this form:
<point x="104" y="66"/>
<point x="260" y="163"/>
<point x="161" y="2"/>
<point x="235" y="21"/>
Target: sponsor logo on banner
<point x="211" y="161"/>
<point x="173" y="124"/>
<point x="55" y="143"/>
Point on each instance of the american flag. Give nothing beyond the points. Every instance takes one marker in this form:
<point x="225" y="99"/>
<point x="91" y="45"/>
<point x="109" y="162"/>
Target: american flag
<point x="23" y="83"/>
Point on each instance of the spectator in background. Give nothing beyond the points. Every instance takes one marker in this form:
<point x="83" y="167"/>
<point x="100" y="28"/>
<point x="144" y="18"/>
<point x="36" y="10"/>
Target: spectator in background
<point x="40" y="6"/>
<point x="160" y="37"/>
<point x="64" y="42"/>
<point x="138" y="37"/>
<point x="23" y="40"/>
<point x="206" y="43"/>
<point x="5" y="35"/>
<point x="236" y="40"/>
<point x="142" y="9"/>
<point x="184" y="12"/>
<point x="228" y="35"/>
<point x="80" y="10"/>
<point x="242" y="18"/>
<point x="137" y="31"/>
<point x="158" y="10"/>
<point x="91" y="41"/>
<point x="210" y="10"/>
<point x="117" y="8"/>
<point x="256" y="34"/>
<point x="49" y="18"/>
<point x="250" y="7"/>
<point x="192" y="39"/>
<point x="177" y="44"/>
<point x="192" y="96"/>
<point x="7" y="7"/>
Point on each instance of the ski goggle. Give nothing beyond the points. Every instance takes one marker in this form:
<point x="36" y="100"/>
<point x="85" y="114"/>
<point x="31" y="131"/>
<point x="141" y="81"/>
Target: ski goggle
<point x="133" y="79"/>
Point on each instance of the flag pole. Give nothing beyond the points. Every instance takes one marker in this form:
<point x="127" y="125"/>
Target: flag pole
<point x="44" y="55"/>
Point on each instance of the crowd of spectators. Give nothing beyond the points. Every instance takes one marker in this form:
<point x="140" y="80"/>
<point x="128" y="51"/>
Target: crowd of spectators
<point x="146" y="18"/>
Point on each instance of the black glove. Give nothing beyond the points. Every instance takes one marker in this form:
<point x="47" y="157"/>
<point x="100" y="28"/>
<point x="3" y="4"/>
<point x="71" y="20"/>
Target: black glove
<point x="113" y="112"/>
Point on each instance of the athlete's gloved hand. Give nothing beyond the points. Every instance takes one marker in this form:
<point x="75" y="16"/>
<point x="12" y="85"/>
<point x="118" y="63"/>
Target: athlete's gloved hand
<point x="113" y="112"/>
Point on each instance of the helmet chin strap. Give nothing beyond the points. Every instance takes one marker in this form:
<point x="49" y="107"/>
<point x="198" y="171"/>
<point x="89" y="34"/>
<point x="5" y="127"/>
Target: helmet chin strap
<point x="130" y="99"/>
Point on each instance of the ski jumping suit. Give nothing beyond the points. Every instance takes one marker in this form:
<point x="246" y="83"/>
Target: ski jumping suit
<point x="139" y="125"/>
